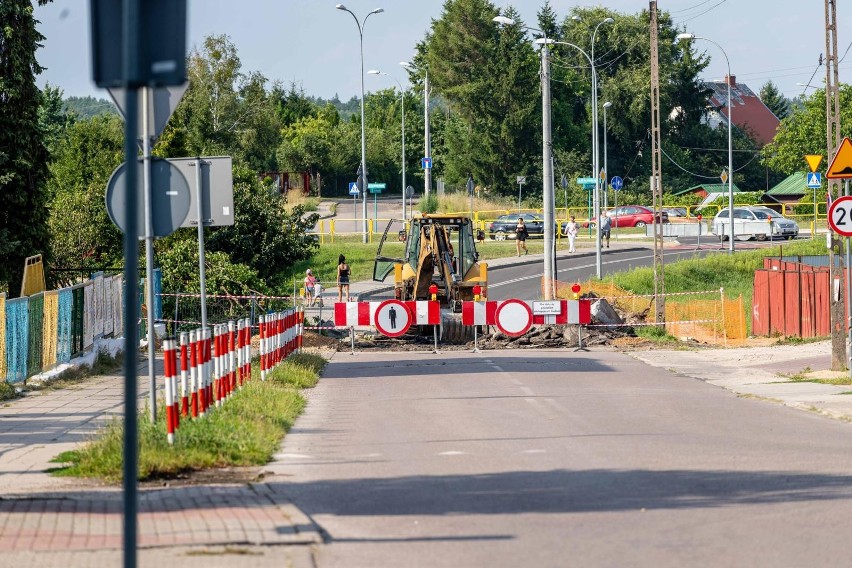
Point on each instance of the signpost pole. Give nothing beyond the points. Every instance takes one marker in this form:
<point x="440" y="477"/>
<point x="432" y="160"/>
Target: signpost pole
<point x="848" y="286"/>
<point x="519" y="197"/>
<point x="199" y="211"/>
<point x="149" y="250"/>
<point x="375" y="213"/>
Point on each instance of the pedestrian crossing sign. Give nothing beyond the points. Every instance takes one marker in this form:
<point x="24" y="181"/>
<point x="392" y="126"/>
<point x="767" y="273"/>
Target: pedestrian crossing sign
<point x="814" y="180"/>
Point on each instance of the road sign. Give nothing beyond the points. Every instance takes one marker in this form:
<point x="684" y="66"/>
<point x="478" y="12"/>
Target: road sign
<point x="514" y="317"/>
<point x="470" y="185"/>
<point x="392" y="318"/>
<point x="217" y="190"/>
<point x="409" y="192"/>
<point x="724" y="176"/>
<point x="586" y="181"/>
<point x="521" y="179"/>
<point x="170" y="198"/>
<point x="617" y="183"/>
<point x="162" y="102"/>
<point x="564" y="181"/>
<point x="813" y="161"/>
<point x="549" y="307"/>
<point x="814" y="179"/>
<point x="602" y="175"/>
<point x="426" y="163"/>
<point x="376" y="187"/>
<point x="841" y="164"/>
<point x="840" y="216"/>
<point x="353" y="188"/>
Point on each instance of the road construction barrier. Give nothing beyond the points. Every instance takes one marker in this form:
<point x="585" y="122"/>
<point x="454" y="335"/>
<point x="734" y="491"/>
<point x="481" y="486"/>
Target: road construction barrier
<point x="170" y="376"/>
<point x="280" y="335"/>
<point x="390" y="317"/>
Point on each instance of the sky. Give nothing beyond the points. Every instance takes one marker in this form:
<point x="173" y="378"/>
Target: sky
<point x="311" y="43"/>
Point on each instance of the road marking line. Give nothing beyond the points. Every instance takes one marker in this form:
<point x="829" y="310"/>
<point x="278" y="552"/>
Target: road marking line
<point x="534" y="452"/>
<point x="298" y="456"/>
<point x="499" y="368"/>
<point x="451" y="453"/>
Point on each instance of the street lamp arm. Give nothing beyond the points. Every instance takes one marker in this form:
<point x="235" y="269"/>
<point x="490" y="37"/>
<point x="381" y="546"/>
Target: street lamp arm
<point x="577" y="47"/>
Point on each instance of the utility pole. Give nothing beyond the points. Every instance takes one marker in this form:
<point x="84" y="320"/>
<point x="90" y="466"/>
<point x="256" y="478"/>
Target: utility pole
<point x="427" y="138"/>
<point x="832" y="137"/>
<point x="656" y="173"/>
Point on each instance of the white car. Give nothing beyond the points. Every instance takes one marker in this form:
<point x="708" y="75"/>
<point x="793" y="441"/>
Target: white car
<point x="756" y="222"/>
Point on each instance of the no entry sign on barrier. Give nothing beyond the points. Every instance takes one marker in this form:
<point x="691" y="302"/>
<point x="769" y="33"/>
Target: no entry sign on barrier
<point x="514" y="317"/>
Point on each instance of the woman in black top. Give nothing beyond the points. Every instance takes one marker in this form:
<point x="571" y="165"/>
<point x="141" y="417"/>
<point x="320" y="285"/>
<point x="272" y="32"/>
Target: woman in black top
<point x="521" y="236"/>
<point x="342" y="278"/>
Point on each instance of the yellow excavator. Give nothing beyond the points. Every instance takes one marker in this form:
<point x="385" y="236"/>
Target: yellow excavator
<point x="439" y="249"/>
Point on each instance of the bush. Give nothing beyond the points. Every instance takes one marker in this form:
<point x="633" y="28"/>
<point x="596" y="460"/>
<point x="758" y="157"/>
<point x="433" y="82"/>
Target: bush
<point x="429" y="204"/>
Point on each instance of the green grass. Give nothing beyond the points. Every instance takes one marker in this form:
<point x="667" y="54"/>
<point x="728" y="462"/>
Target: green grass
<point x="7" y="391"/>
<point x="656" y="334"/>
<point x="246" y="431"/>
<point x="802" y="377"/>
<point x="733" y="273"/>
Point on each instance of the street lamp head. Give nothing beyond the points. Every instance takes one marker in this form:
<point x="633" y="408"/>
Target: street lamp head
<point x="544" y="40"/>
<point x="503" y="20"/>
<point x="608" y="21"/>
<point x="376" y="11"/>
<point x="607" y="104"/>
<point x="340" y="7"/>
<point x="374" y="72"/>
<point x="576" y="18"/>
<point x="406" y="64"/>
<point x="685" y="36"/>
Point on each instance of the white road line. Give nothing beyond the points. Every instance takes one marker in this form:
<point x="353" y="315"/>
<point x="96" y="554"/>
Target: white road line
<point x="535" y="451"/>
<point x="535" y="276"/>
<point x="498" y="368"/>
<point x="295" y="456"/>
<point x="451" y="453"/>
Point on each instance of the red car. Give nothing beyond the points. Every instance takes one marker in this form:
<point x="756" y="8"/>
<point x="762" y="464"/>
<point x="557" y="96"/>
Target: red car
<point x="631" y="216"/>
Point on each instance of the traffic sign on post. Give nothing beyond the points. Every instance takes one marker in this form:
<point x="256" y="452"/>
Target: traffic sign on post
<point x="841" y="164"/>
<point x="814" y="180"/>
<point x="426" y="163"/>
<point x="813" y="161"/>
<point x="514" y="317"/>
<point x="617" y="183"/>
<point x="392" y="318"/>
<point x="840" y="216"/>
<point x="376" y="187"/>
<point x="353" y="188"/>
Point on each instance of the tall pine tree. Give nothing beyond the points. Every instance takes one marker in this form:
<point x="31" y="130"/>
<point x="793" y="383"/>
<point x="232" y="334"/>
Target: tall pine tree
<point x="23" y="154"/>
<point x="772" y="98"/>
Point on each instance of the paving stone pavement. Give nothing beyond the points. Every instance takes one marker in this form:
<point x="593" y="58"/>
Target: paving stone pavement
<point x="55" y="521"/>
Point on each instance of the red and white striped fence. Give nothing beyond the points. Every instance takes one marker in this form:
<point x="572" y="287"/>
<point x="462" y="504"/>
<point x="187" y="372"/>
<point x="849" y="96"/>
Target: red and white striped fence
<point x="280" y="335"/>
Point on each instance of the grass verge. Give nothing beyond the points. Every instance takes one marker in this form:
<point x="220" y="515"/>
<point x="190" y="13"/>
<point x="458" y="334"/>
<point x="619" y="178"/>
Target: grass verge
<point x="803" y="377"/>
<point x="246" y="431"/>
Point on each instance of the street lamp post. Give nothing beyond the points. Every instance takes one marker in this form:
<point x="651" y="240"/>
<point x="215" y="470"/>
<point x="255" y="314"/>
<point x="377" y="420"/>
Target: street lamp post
<point x="606" y="105"/>
<point x="688" y="36"/>
<point x="427" y="139"/>
<point x="547" y="158"/>
<point x="402" y="97"/>
<point x="364" y="184"/>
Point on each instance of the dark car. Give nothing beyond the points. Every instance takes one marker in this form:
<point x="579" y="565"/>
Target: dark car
<point x="504" y="226"/>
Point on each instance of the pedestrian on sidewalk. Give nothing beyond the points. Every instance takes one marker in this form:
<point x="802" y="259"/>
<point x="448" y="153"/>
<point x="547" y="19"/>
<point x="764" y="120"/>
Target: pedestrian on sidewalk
<point x="571" y="230"/>
<point x="342" y="278"/>
<point x="521" y="236"/>
<point x="605" y="227"/>
<point x="310" y="284"/>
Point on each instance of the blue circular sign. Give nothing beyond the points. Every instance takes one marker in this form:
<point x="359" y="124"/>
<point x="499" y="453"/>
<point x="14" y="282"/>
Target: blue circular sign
<point x="616" y="182"/>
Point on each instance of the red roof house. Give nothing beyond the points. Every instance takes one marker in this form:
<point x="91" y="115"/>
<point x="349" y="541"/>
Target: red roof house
<point x="750" y="114"/>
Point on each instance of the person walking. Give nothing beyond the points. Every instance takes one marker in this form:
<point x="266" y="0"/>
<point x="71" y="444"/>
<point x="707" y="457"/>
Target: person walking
<point x="521" y="235"/>
<point x="571" y="230"/>
<point x="606" y="227"/>
<point x="310" y="284"/>
<point x="342" y="278"/>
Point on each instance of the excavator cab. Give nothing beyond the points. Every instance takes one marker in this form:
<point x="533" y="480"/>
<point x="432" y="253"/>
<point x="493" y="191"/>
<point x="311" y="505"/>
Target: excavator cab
<point x="439" y="249"/>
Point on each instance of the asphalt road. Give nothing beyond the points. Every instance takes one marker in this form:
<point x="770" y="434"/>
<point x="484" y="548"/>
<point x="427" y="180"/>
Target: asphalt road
<point x="557" y="458"/>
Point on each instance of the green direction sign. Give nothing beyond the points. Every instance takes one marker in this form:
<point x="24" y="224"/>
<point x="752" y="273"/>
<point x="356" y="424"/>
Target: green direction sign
<point x="586" y="181"/>
<point x="376" y="187"/>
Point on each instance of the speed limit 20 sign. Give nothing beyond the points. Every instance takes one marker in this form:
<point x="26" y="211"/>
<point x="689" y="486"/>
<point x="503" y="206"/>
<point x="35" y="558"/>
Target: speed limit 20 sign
<point x="840" y="216"/>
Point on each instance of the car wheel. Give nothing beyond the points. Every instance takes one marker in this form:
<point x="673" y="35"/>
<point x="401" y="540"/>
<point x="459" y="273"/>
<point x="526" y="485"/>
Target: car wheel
<point x="639" y="224"/>
<point x="789" y="237"/>
<point x="760" y="237"/>
<point x="499" y="236"/>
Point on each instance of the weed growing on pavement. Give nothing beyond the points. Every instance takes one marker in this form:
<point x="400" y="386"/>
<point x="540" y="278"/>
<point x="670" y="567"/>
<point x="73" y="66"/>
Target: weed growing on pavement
<point x="245" y="431"/>
<point x="7" y="391"/>
<point x="104" y="364"/>
<point x="802" y="377"/>
<point x="656" y="334"/>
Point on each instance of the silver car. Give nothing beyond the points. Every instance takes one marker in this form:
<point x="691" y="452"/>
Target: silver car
<point x="756" y="222"/>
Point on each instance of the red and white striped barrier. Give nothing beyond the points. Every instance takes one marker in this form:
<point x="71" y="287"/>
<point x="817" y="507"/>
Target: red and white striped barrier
<point x="184" y="374"/>
<point x="170" y="373"/>
<point x="576" y="312"/>
<point x="351" y="314"/>
<point x="280" y="336"/>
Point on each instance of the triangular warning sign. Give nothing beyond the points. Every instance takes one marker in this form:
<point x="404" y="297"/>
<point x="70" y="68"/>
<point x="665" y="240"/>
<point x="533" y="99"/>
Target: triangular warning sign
<point x="841" y="164"/>
<point x="813" y="161"/>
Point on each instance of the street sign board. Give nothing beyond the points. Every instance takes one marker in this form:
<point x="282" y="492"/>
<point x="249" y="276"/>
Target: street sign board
<point x="521" y="179"/>
<point x="547" y="308"/>
<point x="840" y="216"/>
<point x="814" y="180"/>
<point x="813" y="161"/>
<point x="162" y="102"/>
<point x="841" y="164"/>
<point x="353" y="188"/>
<point x="586" y="181"/>
<point x="724" y="176"/>
<point x="376" y="187"/>
<point x="217" y="190"/>
<point x="514" y="317"/>
<point x="426" y="163"/>
<point x="409" y="192"/>
<point x="170" y="198"/>
<point x="617" y="183"/>
<point x="392" y="318"/>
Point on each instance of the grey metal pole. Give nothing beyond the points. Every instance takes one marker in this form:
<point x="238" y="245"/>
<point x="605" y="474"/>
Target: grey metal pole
<point x="547" y="165"/>
<point x="365" y="185"/>
<point x="402" y="96"/>
<point x="427" y="174"/>
<point x="596" y="207"/>
<point x="606" y="105"/>
<point x="149" y="253"/>
<point x="730" y="155"/>
<point x="848" y="286"/>
<point x="130" y="60"/>
<point x="519" y="197"/>
<point x="199" y="212"/>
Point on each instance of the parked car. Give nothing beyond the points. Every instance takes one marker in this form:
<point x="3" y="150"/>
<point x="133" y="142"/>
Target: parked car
<point x="504" y="226"/>
<point x="630" y="216"/>
<point x="675" y="211"/>
<point x="760" y="223"/>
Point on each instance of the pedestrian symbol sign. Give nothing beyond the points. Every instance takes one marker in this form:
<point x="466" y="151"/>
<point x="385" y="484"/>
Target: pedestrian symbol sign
<point x="392" y="318"/>
<point x="841" y="164"/>
<point x="353" y="188"/>
<point x="814" y="180"/>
